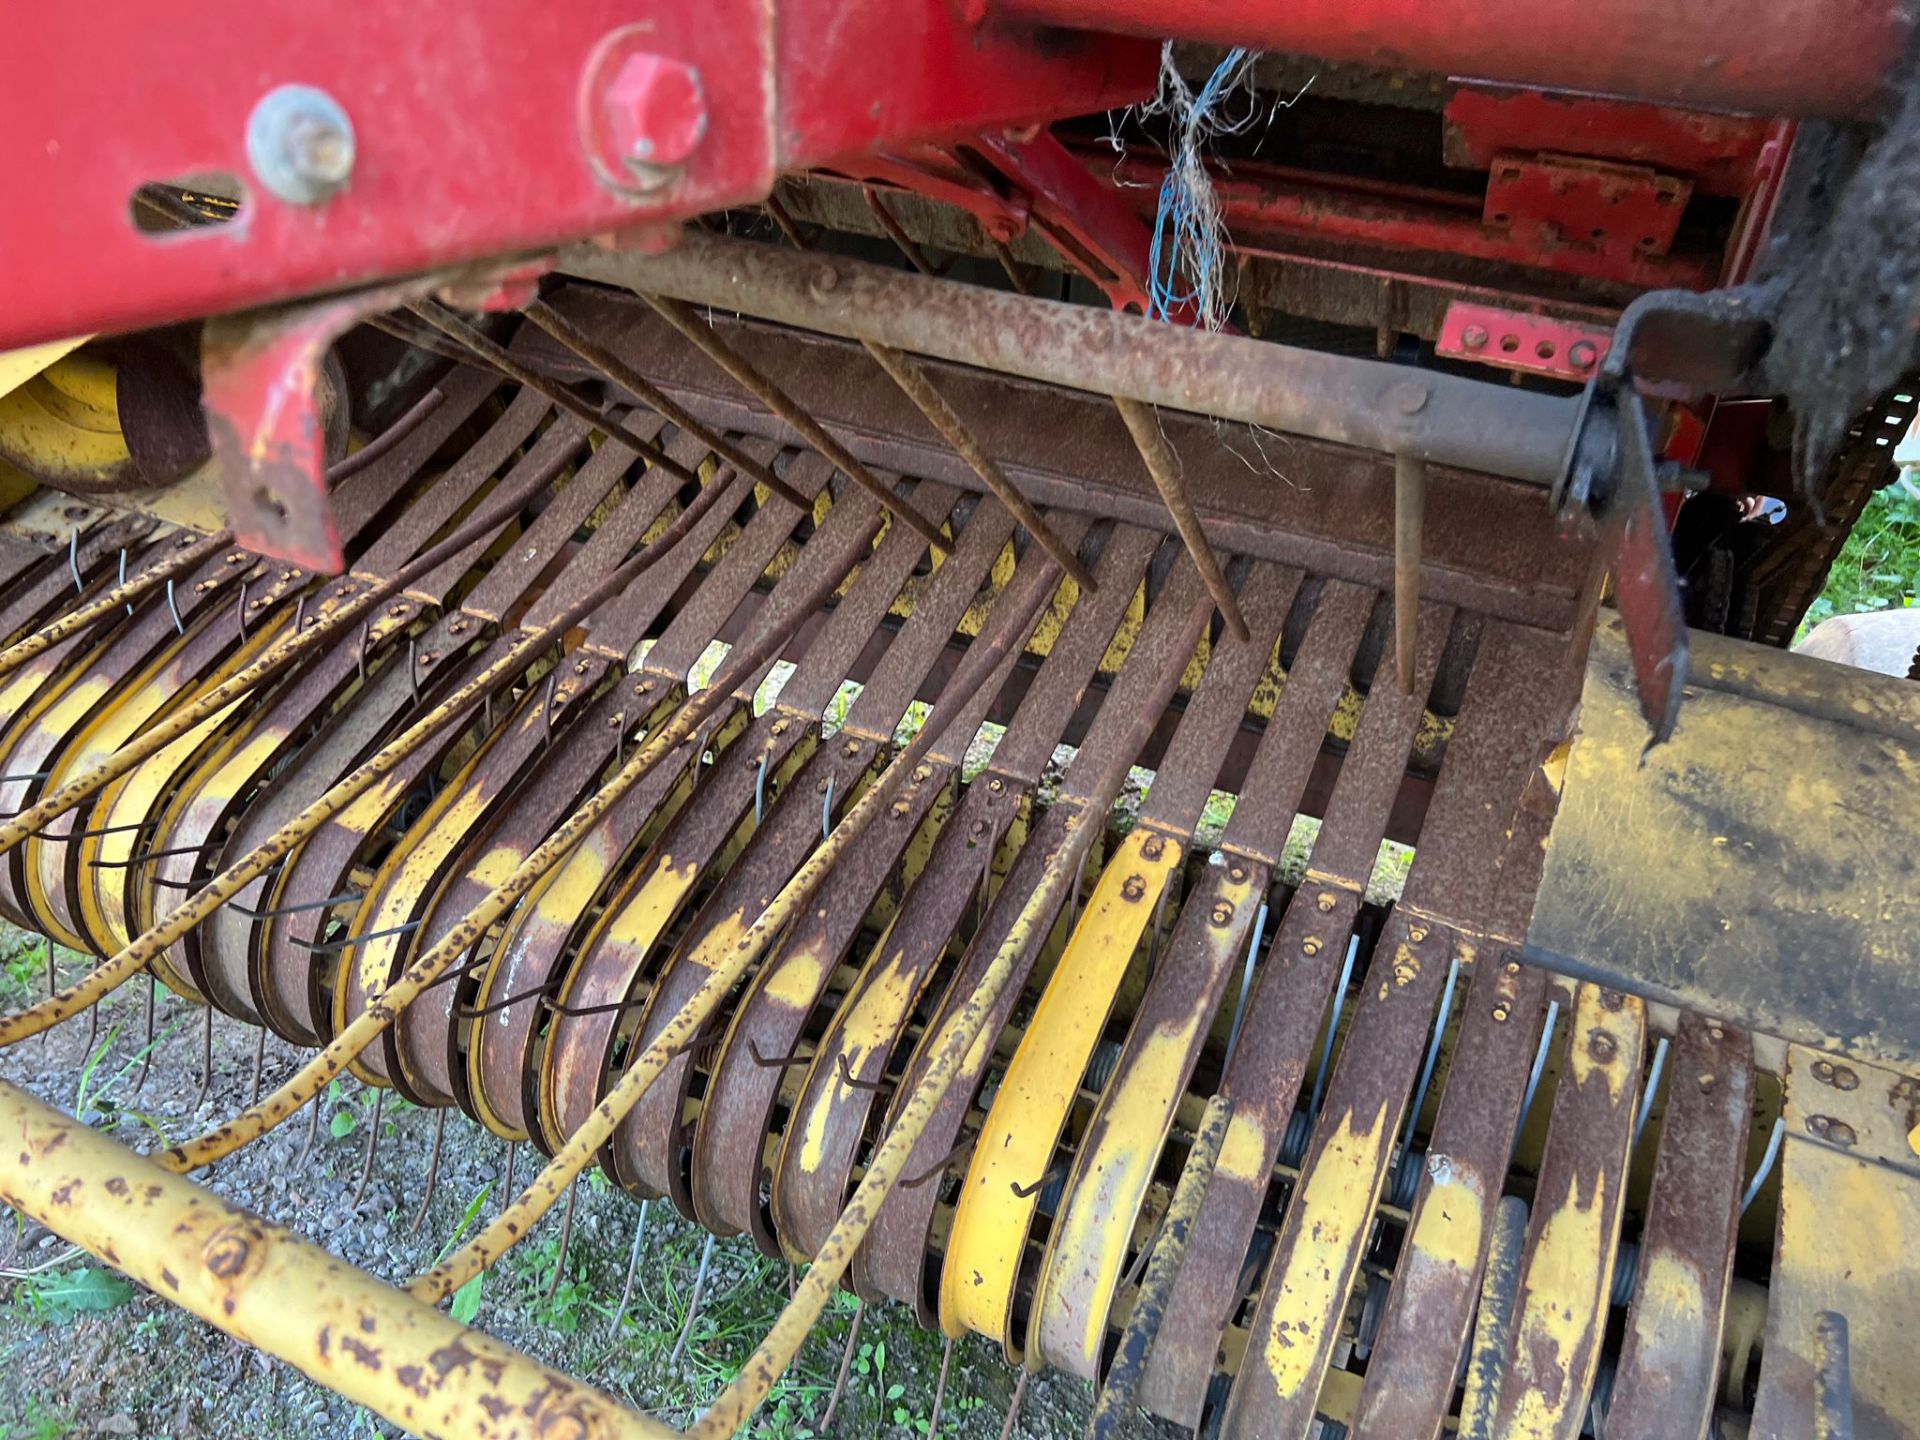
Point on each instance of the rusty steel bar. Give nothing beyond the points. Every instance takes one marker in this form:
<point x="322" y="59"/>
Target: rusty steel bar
<point x="1409" y="520"/>
<point x="650" y="395"/>
<point x="1164" y="467"/>
<point x="1794" y="57"/>
<point x="361" y="1338"/>
<point x="913" y="381"/>
<point x="1444" y="419"/>
<point x="703" y="338"/>
<point x="456" y="329"/>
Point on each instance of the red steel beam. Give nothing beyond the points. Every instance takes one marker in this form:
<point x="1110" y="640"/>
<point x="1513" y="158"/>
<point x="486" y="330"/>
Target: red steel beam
<point x="1786" y="57"/>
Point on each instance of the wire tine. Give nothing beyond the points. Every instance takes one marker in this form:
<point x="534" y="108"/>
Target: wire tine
<point x="98" y="831"/>
<point x="343" y="898"/>
<point x="173" y="609"/>
<point x="146" y="1042"/>
<point x="433" y="1169"/>
<point x="373" y="1143"/>
<point x="777" y="1062"/>
<point x="366" y="639"/>
<point x="940" y="1390"/>
<point x="1024" y="1191"/>
<point x="939" y="1167"/>
<point x="760" y="791"/>
<point x="25" y="777"/>
<point x="299" y="613"/>
<point x="93" y="1027"/>
<point x="1013" y="1406"/>
<point x="513" y="1155"/>
<point x="240" y="609"/>
<point x="123" y="576"/>
<point x="413" y="671"/>
<point x="347" y="942"/>
<point x="313" y="1129"/>
<point x="147" y="857"/>
<point x="854" y="1082"/>
<point x="73" y="561"/>
<point x="633" y="1264"/>
<point x="826" y="811"/>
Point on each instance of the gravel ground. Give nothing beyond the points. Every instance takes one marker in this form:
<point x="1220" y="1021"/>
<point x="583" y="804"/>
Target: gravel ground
<point x="82" y="1354"/>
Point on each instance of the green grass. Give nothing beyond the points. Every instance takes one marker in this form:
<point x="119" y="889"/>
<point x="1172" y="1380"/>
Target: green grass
<point x="1879" y="567"/>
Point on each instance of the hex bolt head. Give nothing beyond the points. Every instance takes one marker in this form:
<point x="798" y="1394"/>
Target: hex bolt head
<point x="656" y="112"/>
<point x="300" y="144"/>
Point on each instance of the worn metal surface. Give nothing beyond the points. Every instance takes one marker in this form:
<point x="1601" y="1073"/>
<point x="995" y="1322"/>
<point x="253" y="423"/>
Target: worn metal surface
<point x="1801" y="837"/>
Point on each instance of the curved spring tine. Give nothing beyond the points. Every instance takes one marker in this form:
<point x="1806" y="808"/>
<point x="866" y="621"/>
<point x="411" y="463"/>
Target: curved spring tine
<point x="760" y="791"/>
<point x="633" y="1264"/>
<point x="826" y="812"/>
<point x="373" y="1143"/>
<point x="123" y="576"/>
<point x="343" y="898"/>
<point x="777" y="1062"/>
<point x="433" y="1169"/>
<point x="146" y="857"/>
<point x="854" y="1082"/>
<point x="73" y="561"/>
<point x="173" y="609"/>
<point x="347" y="942"/>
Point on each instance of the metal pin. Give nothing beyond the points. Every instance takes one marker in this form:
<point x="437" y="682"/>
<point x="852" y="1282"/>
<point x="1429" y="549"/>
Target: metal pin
<point x="633" y="1264"/>
<point x="173" y="609"/>
<point x="846" y="1367"/>
<point x="1653" y="1084"/>
<point x="1246" y="984"/>
<point x="1539" y="1068"/>
<point x="259" y="1063"/>
<point x="760" y="791"/>
<point x="373" y="1143"/>
<point x="693" y="1304"/>
<point x="1766" y="1163"/>
<point x="73" y="561"/>
<point x="347" y="942"/>
<point x="566" y="1238"/>
<point x="433" y="1170"/>
<point x="25" y="777"/>
<point x="123" y="575"/>
<point x="1333" y="1027"/>
<point x="1409" y="520"/>
<point x="1144" y="426"/>
<point x="240" y="610"/>
<point x="826" y="812"/>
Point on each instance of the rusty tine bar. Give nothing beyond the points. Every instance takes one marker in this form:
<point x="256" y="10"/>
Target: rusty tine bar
<point x="683" y="319"/>
<point x="633" y="1264"/>
<point x="458" y="330"/>
<point x="566" y="1238"/>
<point x="1168" y="1250"/>
<point x="1161" y="464"/>
<point x="373" y="1143"/>
<point x="1409" y="520"/>
<point x="902" y="241"/>
<point x="433" y="1170"/>
<point x="846" y="1366"/>
<point x="907" y="374"/>
<point x="649" y="395"/>
<point x="693" y="1304"/>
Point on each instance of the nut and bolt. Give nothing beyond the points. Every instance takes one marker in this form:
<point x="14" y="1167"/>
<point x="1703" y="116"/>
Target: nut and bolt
<point x="300" y="144"/>
<point x="643" y="114"/>
<point x="1474" y="337"/>
<point x="1582" y="354"/>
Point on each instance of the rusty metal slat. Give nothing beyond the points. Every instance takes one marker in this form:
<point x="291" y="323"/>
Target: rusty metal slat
<point x="1281" y="1020"/>
<point x="1317" y="1253"/>
<point x="646" y="1148"/>
<point x="1846" y="1243"/>
<point x="1668" y="1374"/>
<point x="1566" y="1273"/>
<point x="568" y="1069"/>
<point x="1416" y="1353"/>
<point x="894" y="1250"/>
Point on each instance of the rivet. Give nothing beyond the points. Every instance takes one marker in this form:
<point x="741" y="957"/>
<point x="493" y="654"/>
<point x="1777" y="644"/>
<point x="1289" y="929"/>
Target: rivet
<point x="996" y="785"/>
<point x="1237" y="873"/>
<point x="1326" y="901"/>
<point x="1310" y="945"/>
<point x="853" y="748"/>
<point x="1134" y="889"/>
<point x="1500" y="1013"/>
<point x="1153" y="846"/>
<point x="1222" y="913"/>
<point x="1416" y="932"/>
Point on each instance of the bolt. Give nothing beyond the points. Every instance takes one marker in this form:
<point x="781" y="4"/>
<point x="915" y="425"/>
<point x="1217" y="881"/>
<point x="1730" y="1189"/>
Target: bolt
<point x="656" y="114"/>
<point x="1326" y="901"/>
<point x="1237" y="873"/>
<point x="1612" y="1000"/>
<point x="1135" y="889"/>
<point x="1500" y="1013"/>
<point x="1474" y="337"/>
<point x="1602" y="1046"/>
<point x="300" y="144"/>
<point x="1153" y="847"/>
<point x="1310" y="945"/>
<point x="1416" y="933"/>
<point x="1581" y="354"/>
<point x="1222" y="913"/>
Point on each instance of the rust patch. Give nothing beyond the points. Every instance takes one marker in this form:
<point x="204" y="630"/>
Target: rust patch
<point x="364" y="1353"/>
<point x="118" y="1186"/>
<point x="415" y="1379"/>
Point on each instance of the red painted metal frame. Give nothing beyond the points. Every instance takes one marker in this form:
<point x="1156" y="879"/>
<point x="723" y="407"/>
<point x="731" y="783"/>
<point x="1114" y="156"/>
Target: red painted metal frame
<point x="1517" y="340"/>
<point x="1786" y="57"/>
<point x="467" y="124"/>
